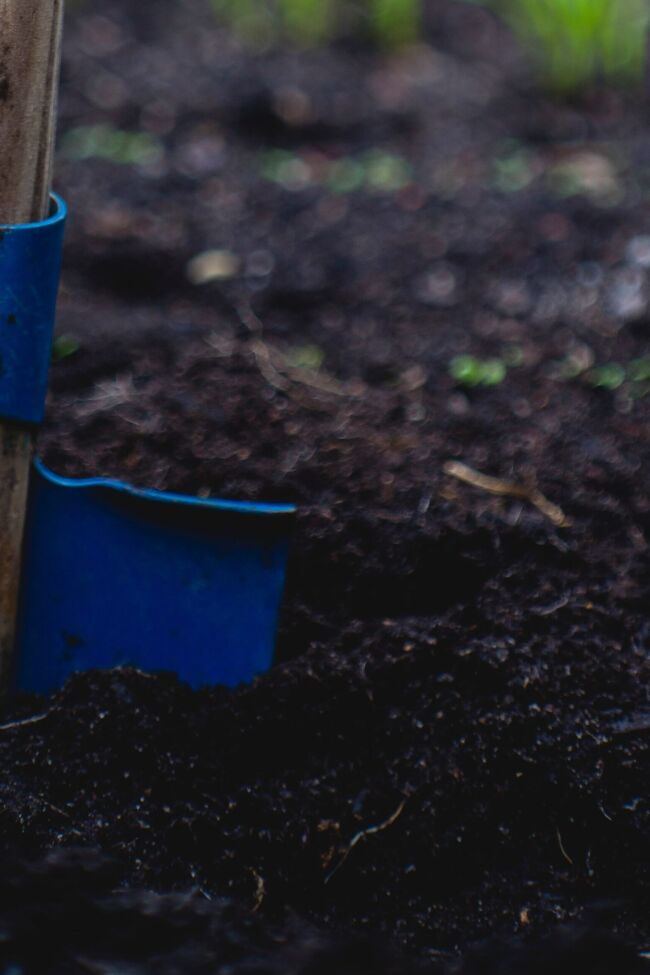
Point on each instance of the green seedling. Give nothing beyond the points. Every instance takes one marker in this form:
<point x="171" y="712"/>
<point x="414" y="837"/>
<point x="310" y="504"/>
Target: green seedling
<point x="345" y="176"/>
<point x="306" y="21"/>
<point x="395" y="22"/>
<point x="110" y="144"/>
<point x="255" y="22"/>
<point x="374" y="171"/>
<point x="513" y="168"/>
<point x="301" y="21"/>
<point x="638" y="373"/>
<point x="386" y="172"/>
<point x="639" y="370"/>
<point x="64" y="346"/>
<point x="635" y="377"/>
<point x="285" y="168"/>
<point x="392" y="22"/>
<point x="469" y="371"/>
<point x="632" y="378"/>
<point x="611" y="376"/>
<point x="310" y="357"/>
<point x="578" y="42"/>
<point x="513" y="356"/>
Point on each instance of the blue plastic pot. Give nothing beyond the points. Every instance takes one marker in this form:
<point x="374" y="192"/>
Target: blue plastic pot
<point x="117" y="576"/>
<point x="30" y="268"/>
<point x="113" y="575"/>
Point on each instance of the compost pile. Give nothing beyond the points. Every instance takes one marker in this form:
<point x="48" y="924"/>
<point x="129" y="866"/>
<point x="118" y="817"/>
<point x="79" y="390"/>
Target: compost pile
<point x="455" y="744"/>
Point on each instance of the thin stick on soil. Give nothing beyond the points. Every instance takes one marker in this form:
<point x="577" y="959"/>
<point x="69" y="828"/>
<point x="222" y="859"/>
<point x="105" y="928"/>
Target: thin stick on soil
<point x="260" y="891"/>
<point x="362" y="834"/>
<point x="24" y="722"/>
<point x="563" y="848"/>
<point x="30" y="33"/>
<point x="280" y="374"/>
<point x="495" y="485"/>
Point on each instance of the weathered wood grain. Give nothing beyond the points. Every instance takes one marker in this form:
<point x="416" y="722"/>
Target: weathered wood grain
<point x="30" y="42"/>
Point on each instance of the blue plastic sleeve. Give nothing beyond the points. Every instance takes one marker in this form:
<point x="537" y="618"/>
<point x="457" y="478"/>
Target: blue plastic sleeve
<point x="30" y="268"/>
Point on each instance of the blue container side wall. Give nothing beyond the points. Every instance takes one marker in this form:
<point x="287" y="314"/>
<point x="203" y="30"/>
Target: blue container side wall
<point x="111" y="578"/>
<point x="30" y="268"/>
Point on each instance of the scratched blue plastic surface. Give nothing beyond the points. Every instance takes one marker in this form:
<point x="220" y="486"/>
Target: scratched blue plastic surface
<point x="118" y="576"/>
<point x="30" y="266"/>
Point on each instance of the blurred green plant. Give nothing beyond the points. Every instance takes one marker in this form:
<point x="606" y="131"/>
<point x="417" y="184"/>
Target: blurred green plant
<point x="260" y="21"/>
<point x="111" y="144"/>
<point x="310" y="357"/>
<point x="632" y="377"/>
<point x="374" y="170"/>
<point x="577" y="42"/>
<point x="468" y="370"/>
<point x="610" y="376"/>
<point x="392" y="22"/>
<point x="386" y="171"/>
<point x="513" y="167"/>
<point x="396" y="22"/>
<point x="306" y="21"/>
<point x="64" y="346"/>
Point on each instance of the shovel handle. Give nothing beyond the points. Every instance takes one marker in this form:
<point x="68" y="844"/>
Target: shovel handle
<point x="15" y="461"/>
<point x="29" y="67"/>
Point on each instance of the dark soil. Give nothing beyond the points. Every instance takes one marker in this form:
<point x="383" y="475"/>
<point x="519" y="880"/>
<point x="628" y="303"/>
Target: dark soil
<point x="87" y="924"/>
<point x="455" y="743"/>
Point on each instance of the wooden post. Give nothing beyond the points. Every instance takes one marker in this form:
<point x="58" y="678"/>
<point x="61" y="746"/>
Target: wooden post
<point x="30" y="44"/>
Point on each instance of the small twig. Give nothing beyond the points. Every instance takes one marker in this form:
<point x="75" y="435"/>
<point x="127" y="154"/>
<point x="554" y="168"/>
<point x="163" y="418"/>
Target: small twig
<point x="24" y="722"/>
<point x="266" y="366"/>
<point x="553" y="608"/>
<point x="62" y="813"/>
<point x="56" y="809"/>
<point x="260" y="891"/>
<point x="362" y="834"/>
<point x="562" y="849"/>
<point x="495" y="485"/>
<point x="274" y="366"/>
<point x="636" y="724"/>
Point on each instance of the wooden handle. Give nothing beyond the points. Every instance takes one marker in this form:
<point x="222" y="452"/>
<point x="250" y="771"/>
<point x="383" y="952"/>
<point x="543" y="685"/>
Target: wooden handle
<point x="29" y="64"/>
<point x="30" y="45"/>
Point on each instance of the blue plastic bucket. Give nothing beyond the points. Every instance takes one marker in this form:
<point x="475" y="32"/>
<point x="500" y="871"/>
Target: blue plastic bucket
<point x="117" y="576"/>
<point x="30" y="268"/>
<point x="114" y="575"/>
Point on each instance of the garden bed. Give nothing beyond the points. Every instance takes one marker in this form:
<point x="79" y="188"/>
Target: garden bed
<point x="455" y="743"/>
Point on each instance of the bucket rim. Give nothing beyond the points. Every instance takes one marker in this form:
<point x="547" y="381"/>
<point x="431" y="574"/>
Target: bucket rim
<point x="58" y="215"/>
<point x="163" y="497"/>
